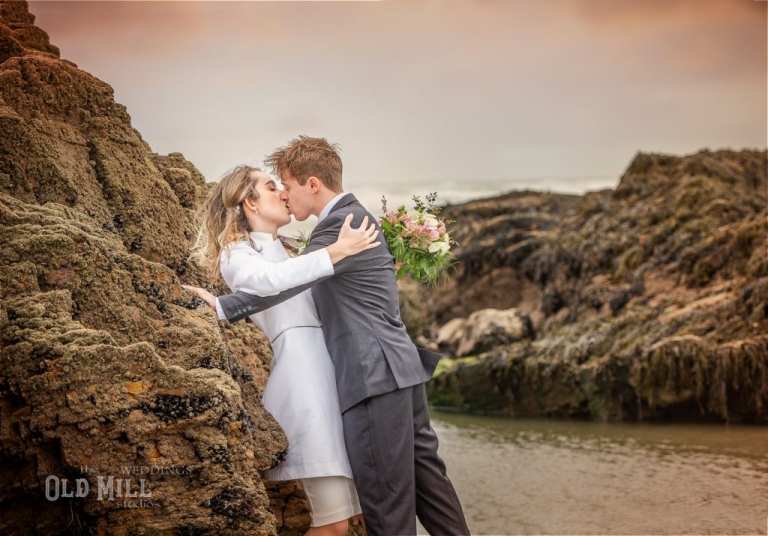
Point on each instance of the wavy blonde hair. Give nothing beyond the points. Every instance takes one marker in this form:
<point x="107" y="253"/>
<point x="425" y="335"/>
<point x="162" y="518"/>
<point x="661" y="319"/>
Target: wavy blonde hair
<point x="221" y="219"/>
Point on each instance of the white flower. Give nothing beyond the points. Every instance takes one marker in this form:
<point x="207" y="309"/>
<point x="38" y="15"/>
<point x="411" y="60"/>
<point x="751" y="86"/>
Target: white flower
<point x="431" y="219"/>
<point x="439" y="247"/>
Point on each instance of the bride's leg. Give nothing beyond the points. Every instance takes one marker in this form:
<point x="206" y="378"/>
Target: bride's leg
<point x="332" y="503"/>
<point x="334" y="529"/>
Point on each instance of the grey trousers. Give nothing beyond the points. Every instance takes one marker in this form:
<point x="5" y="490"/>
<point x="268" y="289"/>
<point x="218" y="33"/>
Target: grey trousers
<point x="399" y="476"/>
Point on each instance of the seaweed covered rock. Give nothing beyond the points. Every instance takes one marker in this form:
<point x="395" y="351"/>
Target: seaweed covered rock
<point x="106" y="370"/>
<point x="601" y="369"/>
<point x="113" y="380"/>
<point x="647" y="300"/>
<point x="66" y="141"/>
<point x="415" y="301"/>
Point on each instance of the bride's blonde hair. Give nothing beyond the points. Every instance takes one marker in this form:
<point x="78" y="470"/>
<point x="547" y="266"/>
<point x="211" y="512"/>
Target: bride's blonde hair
<point x="221" y="219"/>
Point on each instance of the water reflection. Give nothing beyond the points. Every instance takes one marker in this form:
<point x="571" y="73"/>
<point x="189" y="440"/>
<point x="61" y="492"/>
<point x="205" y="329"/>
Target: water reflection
<point x="526" y="476"/>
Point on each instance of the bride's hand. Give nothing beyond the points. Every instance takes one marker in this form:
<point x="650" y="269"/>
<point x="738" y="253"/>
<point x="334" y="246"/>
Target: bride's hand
<point x="352" y="241"/>
<point x="204" y="295"/>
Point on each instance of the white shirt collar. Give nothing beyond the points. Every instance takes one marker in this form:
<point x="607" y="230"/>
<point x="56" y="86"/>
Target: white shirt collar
<point x="265" y="238"/>
<point x="327" y="208"/>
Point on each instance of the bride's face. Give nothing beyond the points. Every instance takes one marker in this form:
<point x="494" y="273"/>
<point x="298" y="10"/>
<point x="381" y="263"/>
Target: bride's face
<point x="271" y="208"/>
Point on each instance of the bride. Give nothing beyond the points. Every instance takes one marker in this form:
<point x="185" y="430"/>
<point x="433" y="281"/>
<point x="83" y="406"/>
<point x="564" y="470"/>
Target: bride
<point x="238" y="241"/>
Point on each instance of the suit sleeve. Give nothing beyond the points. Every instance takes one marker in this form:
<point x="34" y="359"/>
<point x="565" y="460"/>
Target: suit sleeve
<point x="240" y="304"/>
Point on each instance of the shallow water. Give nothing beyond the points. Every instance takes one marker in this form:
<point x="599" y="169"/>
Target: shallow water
<point x="532" y="476"/>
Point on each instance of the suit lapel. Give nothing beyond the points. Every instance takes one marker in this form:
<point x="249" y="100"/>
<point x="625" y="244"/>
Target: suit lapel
<point x="343" y="202"/>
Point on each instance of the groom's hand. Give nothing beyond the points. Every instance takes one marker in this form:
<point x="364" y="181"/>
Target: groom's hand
<point x="204" y="295"/>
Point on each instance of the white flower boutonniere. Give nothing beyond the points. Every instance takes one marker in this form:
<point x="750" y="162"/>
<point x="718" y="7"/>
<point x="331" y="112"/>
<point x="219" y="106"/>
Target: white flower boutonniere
<point x="302" y="241"/>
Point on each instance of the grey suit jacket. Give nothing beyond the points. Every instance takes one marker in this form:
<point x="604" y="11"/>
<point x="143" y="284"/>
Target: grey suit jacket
<point x="359" y="308"/>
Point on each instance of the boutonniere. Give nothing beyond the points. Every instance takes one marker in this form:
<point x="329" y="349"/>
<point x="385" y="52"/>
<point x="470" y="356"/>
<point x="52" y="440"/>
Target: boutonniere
<point x="302" y="241"/>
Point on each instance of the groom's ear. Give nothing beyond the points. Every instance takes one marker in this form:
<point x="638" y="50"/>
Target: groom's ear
<point x="314" y="184"/>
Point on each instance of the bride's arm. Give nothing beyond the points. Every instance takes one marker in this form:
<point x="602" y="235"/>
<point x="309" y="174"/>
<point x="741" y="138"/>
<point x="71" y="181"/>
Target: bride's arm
<point x="245" y="269"/>
<point x="242" y="303"/>
<point x="250" y="272"/>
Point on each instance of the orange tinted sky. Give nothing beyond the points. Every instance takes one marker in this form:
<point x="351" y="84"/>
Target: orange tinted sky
<point x="466" y="97"/>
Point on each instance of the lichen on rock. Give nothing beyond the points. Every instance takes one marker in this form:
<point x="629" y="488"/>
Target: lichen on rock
<point x="108" y="369"/>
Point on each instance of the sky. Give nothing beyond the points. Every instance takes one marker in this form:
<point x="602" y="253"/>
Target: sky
<point x="468" y="98"/>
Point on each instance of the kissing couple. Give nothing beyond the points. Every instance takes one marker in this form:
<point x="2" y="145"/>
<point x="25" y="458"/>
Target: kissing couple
<point x="346" y="381"/>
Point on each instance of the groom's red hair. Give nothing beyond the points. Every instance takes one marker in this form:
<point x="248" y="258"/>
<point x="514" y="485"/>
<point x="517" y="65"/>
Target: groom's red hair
<point x="307" y="157"/>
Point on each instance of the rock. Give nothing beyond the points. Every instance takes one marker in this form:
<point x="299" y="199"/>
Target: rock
<point x="450" y="335"/>
<point x="483" y="330"/>
<point x="422" y="341"/>
<point x="615" y="282"/>
<point x="18" y="22"/>
<point x="108" y="367"/>
<point x="630" y="367"/>
<point x="691" y="219"/>
<point x="414" y="306"/>
<point x="184" y="179"/>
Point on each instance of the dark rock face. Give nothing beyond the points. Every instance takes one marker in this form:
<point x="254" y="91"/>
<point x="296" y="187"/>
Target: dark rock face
<point x="648" y="301"/>
<point x="104" y="363"/>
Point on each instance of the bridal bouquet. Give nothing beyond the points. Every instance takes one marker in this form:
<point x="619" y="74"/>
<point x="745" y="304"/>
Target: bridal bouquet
<point x="418" y="240"/>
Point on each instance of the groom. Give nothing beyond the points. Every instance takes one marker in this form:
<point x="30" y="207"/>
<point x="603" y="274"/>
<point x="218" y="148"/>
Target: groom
<point x="380" y="374"/>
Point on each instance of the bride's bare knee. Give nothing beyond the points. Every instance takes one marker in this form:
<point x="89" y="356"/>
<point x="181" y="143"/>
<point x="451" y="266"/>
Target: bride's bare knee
<point x="339" y="528"/>
<point x="334" y="529"/>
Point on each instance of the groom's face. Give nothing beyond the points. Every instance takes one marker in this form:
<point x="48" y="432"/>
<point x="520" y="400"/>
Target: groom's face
<point x="298" y="198"/>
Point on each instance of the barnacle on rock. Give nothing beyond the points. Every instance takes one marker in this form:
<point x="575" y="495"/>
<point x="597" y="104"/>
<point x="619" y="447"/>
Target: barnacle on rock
<point x="101" y="347"/>
<point x="174" y="407"/>
<point x="235" y="503"/>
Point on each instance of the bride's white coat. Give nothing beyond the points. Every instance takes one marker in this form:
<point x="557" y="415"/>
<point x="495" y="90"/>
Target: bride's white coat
<point x="301" y="390"/>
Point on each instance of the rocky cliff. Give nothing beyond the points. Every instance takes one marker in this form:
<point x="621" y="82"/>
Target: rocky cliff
<point x="106" y="369"/>
<point x="647" y="301"/>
